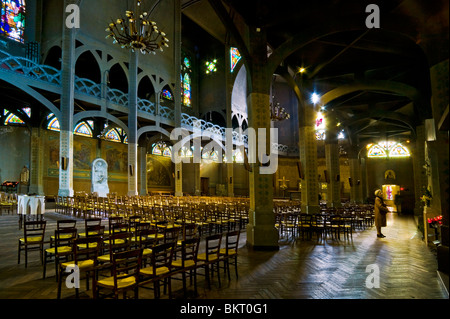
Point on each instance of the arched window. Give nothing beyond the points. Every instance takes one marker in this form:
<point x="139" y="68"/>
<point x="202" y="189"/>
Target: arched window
<point x="186" y="81"/>
<point x="320" y="126"/>
<point x="235" y="56"/>
<point x="161" y="149"/>
<point x="113" y="135"/>
<point x="12" y="118"/>
<point x="167" y="95"/>
<point x="83" y="129"/>
<point x="388" y="149"/>
<point x="53" y="125"/>
<point x="12" y="19"/>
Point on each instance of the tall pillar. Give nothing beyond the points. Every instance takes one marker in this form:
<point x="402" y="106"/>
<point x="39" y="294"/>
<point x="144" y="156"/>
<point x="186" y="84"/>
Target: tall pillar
<point x="420" y="175"/>
<point x="67" y="107"/>
<point x="355" y="175"/>
<point x="261" y="231"/>
<point x="197" y="179"/>
<point x="177" y="93"/>
<point x="142" y="152"/>
<point x="228" y="138"/>
<point x="37" y="162"/>
<point x="132" y="124"/>
<point x="308" y="159"/>
<point x="332" y="163"/>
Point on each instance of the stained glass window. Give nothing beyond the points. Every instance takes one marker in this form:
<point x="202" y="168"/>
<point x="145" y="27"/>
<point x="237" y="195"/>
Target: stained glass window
<point x="12" y="19"/>
<point x="83" y="129"/>
<point x="235" y="57"/>
<point x="113" y="135"/>
<point x="12" y="119"/>
<point x="238" y="156"/>
<point x="389" y="194"/>
<point x="320" y="135"/>
<point x="186" y="89"/>
<point x="167" y="151"/>
<point x="157" y="149"/>
<point x="376" y="151"/>
<point x="54" y="125"/>
<point x="399" y="151"/>
<point x="211" y="66"/>
<point x="27" y="111"/>
<point x="167" y="95"/>
<point x="215" y="156"/>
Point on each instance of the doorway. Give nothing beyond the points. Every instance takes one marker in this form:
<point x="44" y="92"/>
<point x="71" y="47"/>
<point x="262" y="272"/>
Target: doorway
<point x="205" y="186"/>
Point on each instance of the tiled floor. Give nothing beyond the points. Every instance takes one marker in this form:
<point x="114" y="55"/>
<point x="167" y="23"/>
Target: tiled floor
<point x="300" y="269"/>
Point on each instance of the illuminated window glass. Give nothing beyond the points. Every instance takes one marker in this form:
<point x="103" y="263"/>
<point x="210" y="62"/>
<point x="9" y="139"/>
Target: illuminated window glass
<point x="320" y="135"/>
<point x="187" y="62"/>
<point x="320" y="121"/>
<point x="125" y="140"/>
<point x="54" y="125"/>
<point x="389" y="193"/>
<point x="235" y="56"/>
<point x="215" y="156"/>
<point x="11" y="118"/>
<point x="113" y="135"/>
<point x="205" y="155"/>
<point x="27" y="111"/>
<point x="238" y="156"/>
<point x="158" y="148"/>
<point x="376" y="151"/>
<point x="399" y="151"/>
<point x="341" y="135"/>
<point x="12" y="19"/>
<point x="167" y="95"/>
<point x="83" y="129"/>
<point x="186" y="86"/>
<point x="211" y="66"/>
<point x="167" y="151"/>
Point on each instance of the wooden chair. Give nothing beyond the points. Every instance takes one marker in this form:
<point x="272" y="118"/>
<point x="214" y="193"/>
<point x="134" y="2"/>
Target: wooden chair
<point x="304" y="225"/>
<point x="188" y="262"/>
<point x="159" y="269"/>
<point x="33" y="239"/>
<point x="85" y="253"/>
<point x="126" y="266"/>
<point x="90" y="223"/>
<point x="229" y="254"/>
<point x="117" y="242"/>
<point x="210" y="257"/>
<point x="61" y="248"/>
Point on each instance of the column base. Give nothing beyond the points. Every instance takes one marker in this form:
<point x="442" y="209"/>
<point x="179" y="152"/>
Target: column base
<point x="178" y="194"/>
<point x="262" y="237"/>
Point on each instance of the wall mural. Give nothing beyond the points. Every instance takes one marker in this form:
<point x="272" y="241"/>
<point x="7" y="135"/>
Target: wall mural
<point x="116" y="156"/>
<point x="159" y="171"/>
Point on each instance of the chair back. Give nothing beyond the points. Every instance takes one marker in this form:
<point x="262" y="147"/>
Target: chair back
<point x="213" y="243"/>
<point x="162" y="256"/>
<point x="147" y="238"/>
<point x="189" y="251"/>
<point x="232" y="241"/>
<point x="64" y="237"/>
<point x="87" y="248"/>
<point x="34" y="229"/>
<point x="171" y="234"/>
<point x="126" y="264"/>
<point x="66" y="223"/>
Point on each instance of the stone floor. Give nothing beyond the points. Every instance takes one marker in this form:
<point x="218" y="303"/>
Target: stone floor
<point x="300" y="269"/>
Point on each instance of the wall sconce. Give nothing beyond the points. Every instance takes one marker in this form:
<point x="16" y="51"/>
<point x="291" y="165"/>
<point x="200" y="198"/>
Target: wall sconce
<point x="64" y="163"/>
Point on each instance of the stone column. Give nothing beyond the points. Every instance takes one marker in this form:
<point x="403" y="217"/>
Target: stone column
<point x="177" y="93"/>
<point x="37" y="162"/>
<point x="420" y="176"/>
<point x="308" y="159"/>
<point x="332" y="163"/>
<point x="228" y="138"/>
<point x="197" y="179"/>
<point x="132" y="124"/>
<point x="261" y="231"/>
<point x="67" y="106"/>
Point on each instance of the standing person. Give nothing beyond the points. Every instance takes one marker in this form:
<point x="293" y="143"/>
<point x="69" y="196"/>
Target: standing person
<point x="380" y="212"/>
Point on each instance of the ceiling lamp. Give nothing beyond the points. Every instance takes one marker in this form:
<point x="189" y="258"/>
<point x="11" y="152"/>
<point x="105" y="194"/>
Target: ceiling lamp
<point x="278" y="113"/>
<point x="137" y="32"/>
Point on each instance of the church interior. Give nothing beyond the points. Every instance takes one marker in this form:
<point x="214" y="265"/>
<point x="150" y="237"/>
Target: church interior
<point x="271" y="121"/>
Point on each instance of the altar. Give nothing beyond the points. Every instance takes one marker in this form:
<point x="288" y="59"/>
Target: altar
<point x="31" y="207"/>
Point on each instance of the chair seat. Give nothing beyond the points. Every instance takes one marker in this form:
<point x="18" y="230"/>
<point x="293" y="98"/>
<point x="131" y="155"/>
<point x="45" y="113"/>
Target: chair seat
<point x="231" y="252"/>
<point x="61" y="250"/>
<point x="187" y="263"/>
<point x="116" y="242"/>
<point x="83" y="264"/>
<point x="31" y="239"/>
<point x="158" y="236"/>
<point x="121" y="282"/>
<point x="104" y="258"/>
<point x="202" y="257"/>
<point x="84" y="246"/>
<point x="159" y="271"/>
<point x="91" y="233"/>
<point x="67" y="236"/>
<point x="146" y="252"/>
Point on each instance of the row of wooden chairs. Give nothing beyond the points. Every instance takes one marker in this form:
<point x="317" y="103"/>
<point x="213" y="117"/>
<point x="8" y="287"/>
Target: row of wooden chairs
<point x="8" y="203"/>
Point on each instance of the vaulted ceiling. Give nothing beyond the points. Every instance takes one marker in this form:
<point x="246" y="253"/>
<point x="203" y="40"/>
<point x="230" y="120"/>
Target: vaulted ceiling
<point x="379" y="78"/>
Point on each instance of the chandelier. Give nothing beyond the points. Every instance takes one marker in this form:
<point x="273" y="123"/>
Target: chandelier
<point x="137" y="32"/>
<point x="278" y="113"/>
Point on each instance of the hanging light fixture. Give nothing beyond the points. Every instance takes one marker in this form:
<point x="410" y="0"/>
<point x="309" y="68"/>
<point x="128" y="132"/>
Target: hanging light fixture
<point x="137" y="32"/>
<point x="277" y="113"/>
